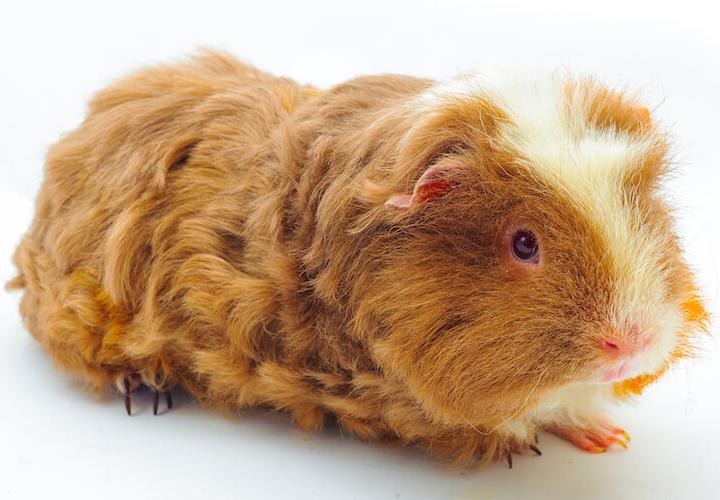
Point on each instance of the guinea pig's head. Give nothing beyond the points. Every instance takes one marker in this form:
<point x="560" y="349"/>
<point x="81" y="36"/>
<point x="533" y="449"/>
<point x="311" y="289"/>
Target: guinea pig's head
<point x="523" y="244"/>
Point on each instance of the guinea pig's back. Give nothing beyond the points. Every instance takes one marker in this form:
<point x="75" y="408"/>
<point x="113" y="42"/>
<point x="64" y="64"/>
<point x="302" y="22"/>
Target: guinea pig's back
<point x="146" y="203"/>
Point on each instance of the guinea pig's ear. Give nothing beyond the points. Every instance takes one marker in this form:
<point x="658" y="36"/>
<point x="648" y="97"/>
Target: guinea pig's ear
<point x="433" y="183"/>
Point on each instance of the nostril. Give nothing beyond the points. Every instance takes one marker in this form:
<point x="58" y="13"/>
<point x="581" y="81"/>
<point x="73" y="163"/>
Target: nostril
<point x="610" y="347"/>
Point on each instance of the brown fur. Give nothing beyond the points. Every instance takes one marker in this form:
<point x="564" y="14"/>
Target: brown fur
<point x="215" y="227"/>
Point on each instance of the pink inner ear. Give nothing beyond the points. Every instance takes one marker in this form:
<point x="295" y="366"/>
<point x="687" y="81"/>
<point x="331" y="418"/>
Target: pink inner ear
<point x="400" y="200"/>
<point x="431" y="184"/>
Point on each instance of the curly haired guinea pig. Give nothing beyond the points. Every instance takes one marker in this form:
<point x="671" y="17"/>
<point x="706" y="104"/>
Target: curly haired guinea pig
<point x="452" y="265"/>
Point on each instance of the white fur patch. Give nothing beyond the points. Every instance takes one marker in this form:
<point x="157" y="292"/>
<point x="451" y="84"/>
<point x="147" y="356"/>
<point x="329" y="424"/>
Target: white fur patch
<point x="571" y="405"/>
<point x="574" y="405"/>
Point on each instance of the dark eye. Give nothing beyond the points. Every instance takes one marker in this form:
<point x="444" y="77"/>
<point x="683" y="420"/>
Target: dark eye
<point x="525" y="246"/>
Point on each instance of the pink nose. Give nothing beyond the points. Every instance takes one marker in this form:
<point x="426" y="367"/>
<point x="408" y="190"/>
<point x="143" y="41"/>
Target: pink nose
<point x="612" y="348"/>
<point x="626" y="343"/>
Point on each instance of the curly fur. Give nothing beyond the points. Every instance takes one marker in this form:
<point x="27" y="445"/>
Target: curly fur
<point x="215" y="227"/>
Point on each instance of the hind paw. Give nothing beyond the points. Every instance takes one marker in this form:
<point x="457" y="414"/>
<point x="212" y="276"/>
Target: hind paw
<point x="517" y="447"/>
<point x="128" y="383"/>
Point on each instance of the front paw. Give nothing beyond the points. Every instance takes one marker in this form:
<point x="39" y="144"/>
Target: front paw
<point x="593" y="434"/>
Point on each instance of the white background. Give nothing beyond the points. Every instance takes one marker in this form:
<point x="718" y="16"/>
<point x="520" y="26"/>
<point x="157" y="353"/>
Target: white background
<point x="58" y="442"/>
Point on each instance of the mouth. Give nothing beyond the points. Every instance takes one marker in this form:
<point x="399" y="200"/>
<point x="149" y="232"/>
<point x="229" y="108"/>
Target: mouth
<point x="616" y="372"/>
<point x="630" y="352"/>
<point x="626" y="368"/>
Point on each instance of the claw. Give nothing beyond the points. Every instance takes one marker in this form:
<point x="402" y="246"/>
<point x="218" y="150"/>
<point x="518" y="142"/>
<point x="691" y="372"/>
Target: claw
<point x="535" y="449"/>
<point x="619" y="442"/>
<point x="156" y="400"/>
<point x="127" y="383"/>
<point x="508" y="457"/>
<point x="621" y="432"/>
<point x="128" y="404"/>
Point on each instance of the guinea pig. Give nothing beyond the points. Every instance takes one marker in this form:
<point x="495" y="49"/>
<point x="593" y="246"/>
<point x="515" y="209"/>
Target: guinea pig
<point x="454" y="265"/>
